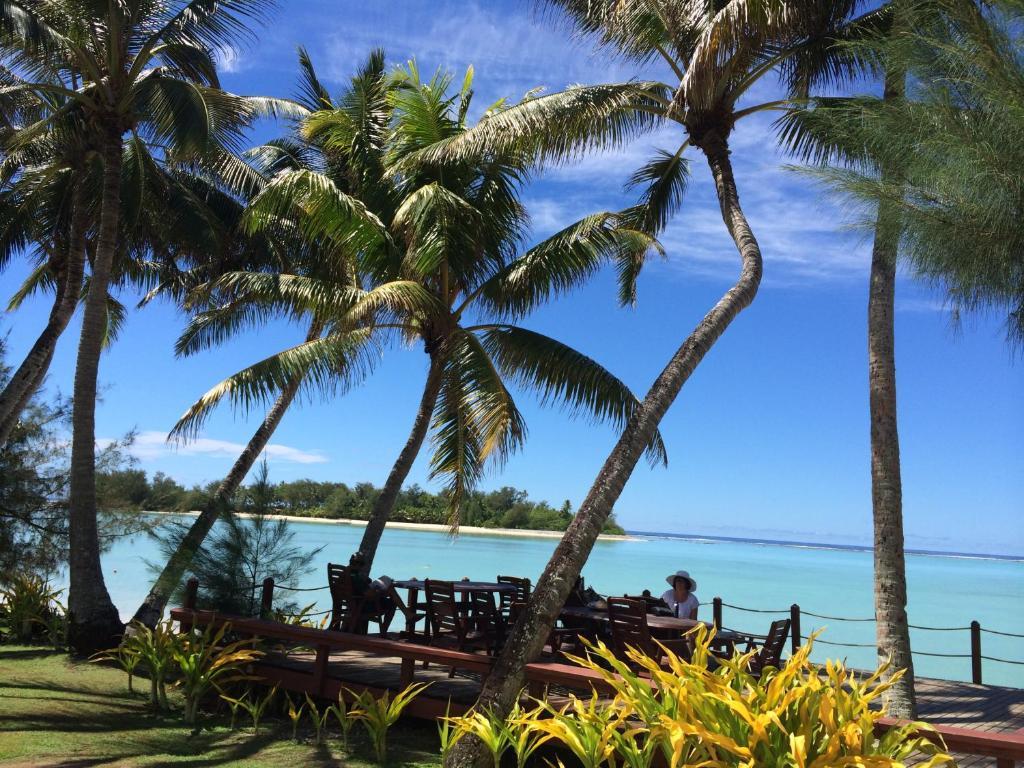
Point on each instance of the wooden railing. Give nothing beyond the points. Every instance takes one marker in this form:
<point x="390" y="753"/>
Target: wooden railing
<point x="1007" y="748"/>
<point x="317" y="682"/>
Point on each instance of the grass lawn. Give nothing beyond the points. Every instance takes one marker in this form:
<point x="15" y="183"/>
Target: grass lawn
<point x="55" y="712"/>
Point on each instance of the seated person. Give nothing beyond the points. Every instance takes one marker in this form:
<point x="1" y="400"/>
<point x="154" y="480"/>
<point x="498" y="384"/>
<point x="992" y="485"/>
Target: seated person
<point x="681" y="598"/>
<point x="378" y="601"/>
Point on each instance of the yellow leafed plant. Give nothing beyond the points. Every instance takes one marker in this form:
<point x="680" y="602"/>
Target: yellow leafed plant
<point x="799" y="716"/>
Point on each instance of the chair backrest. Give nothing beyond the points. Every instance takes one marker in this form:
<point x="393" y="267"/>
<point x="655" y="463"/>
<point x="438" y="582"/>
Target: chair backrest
<point x="442" y="611"/>
<point x="770" y="654"/>
<point x="647" y="599"/>
<point x="628" y="620"/>
<point x="521" y="595"/>
<point x="486" y="618"/>
<point x="344" y="603"/>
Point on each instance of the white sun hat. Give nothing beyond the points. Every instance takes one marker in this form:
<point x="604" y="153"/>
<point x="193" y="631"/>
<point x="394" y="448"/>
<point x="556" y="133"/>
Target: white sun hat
<point x="671" y="579"/>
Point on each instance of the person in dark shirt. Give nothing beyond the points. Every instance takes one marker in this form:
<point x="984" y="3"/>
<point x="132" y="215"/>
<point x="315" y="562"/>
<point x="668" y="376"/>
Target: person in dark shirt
<point x="377" y="600"/>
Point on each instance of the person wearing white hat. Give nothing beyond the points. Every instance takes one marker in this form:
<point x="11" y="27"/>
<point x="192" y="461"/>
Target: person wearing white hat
<point x="681" y="598"/>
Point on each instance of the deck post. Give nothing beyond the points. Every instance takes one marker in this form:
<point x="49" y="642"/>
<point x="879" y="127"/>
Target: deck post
<point x="794" y="626"/>
<point x="716" y="609"/>
<point x="408" y="672"/>
<point x="323" y="655"/>
<point x="191" y="594"/>
<point x="267" y="598"/>
<point x="976" y="652"/>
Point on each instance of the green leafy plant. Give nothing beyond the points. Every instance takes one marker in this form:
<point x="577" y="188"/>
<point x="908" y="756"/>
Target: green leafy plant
<point x="524" y="741"/>
<point x="447" y="731"/>
<point x="294" y="714"/>
<point x="204" y="663"/>
<point x="155" y="649"/>
<point x="255" y="706"/>
<point x="302" y="618"/>
<point x="28" y="602"/>
<point x="126" y="657"/>
<point x="492" y="730"/>
<point x="319" y="718"/>
<point x="378" y="714"/>
<point x="344" y="717"/>
<point x="585" y="728"/>
<point x="234" y="705"/>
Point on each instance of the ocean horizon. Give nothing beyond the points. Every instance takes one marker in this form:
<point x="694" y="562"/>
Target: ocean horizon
<point x="757" y="579"/>
<point x="800" y="544"/>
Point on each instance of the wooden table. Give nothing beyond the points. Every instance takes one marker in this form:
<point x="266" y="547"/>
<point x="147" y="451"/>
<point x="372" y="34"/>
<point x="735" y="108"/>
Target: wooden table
<point x="660" y="626"/>
<point x="464" y="587"/>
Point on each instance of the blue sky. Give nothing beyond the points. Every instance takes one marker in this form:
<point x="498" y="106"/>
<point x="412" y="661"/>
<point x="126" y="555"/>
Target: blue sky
<point x="770" y="436"/>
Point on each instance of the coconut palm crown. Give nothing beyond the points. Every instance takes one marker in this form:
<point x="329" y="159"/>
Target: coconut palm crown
<point x="445" y="266"/>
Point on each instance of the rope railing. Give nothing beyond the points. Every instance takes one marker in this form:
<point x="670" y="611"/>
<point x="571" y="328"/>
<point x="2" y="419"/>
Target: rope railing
<point x="997" y="632"/>
<point x="1003" y="661"/>
<point x="301" y="589"/>
<point x="796" y="612"/>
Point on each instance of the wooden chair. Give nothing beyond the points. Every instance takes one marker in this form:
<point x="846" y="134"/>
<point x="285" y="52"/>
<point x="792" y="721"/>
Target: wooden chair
<point x="450" y="626"/>
<point x="521" y="595"/>
<point x="769" y="647"/>
<point x="651" y="603"/>
<point x="412" y="617"/>
<point x="351" y="612"/>
<point x="628" y="621"/>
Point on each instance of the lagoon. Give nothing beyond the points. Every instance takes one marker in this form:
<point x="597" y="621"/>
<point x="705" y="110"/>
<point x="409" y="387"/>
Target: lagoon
<point x="945" y="591"/>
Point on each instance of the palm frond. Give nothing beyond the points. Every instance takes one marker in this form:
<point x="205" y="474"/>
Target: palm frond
<point x="559" y="373"/>
<point x="329" y="365"/>
<point x="475" y="420"/>
<point x="662" y="182"/>
<point x="559" y="127"/>
<point x="565" y="261"/>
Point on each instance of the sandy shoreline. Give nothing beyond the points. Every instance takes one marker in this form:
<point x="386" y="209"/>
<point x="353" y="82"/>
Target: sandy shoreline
<point x="465" y="530"/>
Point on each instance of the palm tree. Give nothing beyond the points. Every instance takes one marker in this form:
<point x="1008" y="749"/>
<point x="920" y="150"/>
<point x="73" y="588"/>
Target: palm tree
<point x="63" y="264"/>
<point x="447" y="253"/>
<point x="145" y="68"/>
<point x="941" y="170"/>
<point x="225" y="310"/>
<point x="44" y="206"/>
<point x="717" y="51"/>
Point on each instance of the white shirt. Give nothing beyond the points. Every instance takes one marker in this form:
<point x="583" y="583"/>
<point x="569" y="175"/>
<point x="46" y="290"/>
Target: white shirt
<point x="685" y="608"/>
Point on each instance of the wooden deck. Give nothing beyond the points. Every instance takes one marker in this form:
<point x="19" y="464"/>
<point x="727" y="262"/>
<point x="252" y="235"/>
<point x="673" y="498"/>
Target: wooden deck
<point x="982" y="724"/>
<point x="991" y="709"/>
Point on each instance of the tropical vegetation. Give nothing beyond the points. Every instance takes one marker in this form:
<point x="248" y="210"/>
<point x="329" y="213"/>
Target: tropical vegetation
<point x="393" y="213"/>
<point x="506" y="507"/>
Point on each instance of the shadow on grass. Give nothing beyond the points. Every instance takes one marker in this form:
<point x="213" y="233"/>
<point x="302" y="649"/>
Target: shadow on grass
<point x="48" y="685"/>
<point x="28" y="652"/>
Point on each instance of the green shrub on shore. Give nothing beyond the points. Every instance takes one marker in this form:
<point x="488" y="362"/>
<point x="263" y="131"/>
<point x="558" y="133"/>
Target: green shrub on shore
<point x="505" y="507"/>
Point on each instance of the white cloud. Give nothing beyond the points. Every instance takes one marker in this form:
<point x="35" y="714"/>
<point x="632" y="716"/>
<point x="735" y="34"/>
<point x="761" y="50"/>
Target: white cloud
<point x="152" y="445"/>
<point x="229" y="60"/>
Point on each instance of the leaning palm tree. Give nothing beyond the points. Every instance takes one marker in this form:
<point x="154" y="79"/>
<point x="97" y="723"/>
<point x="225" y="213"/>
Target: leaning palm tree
<point x="939" y="166"/>
<point x="221" y="311"/>
<point x="448" y="270"/>
<point x="141" y="67"/>
<point x="45" y="209"/>
<point x="717" y="51"/>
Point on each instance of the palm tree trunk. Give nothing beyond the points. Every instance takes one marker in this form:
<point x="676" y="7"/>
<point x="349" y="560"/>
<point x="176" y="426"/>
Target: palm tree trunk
<point x="32" y="371"/>
<point x="507" y="679"/>
<point x="93" y="621"/>
<point x="892" y="630"/>
<point x="385" y="503"/>
<point x="152" y="608"/>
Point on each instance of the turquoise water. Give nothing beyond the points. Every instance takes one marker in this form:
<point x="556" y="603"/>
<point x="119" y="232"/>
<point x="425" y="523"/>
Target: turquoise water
<point x="944" y="591"/>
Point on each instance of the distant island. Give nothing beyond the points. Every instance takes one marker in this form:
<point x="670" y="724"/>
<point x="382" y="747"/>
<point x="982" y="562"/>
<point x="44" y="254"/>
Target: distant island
<point x="506" y="507"/>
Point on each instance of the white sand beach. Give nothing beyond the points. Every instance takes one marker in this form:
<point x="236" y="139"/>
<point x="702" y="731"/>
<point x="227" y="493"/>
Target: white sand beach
<point x="465" y="530"/>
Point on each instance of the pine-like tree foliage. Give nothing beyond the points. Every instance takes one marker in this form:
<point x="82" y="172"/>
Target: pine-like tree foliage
<point x="954" y="148"/>
<point x="242" y="551"/>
